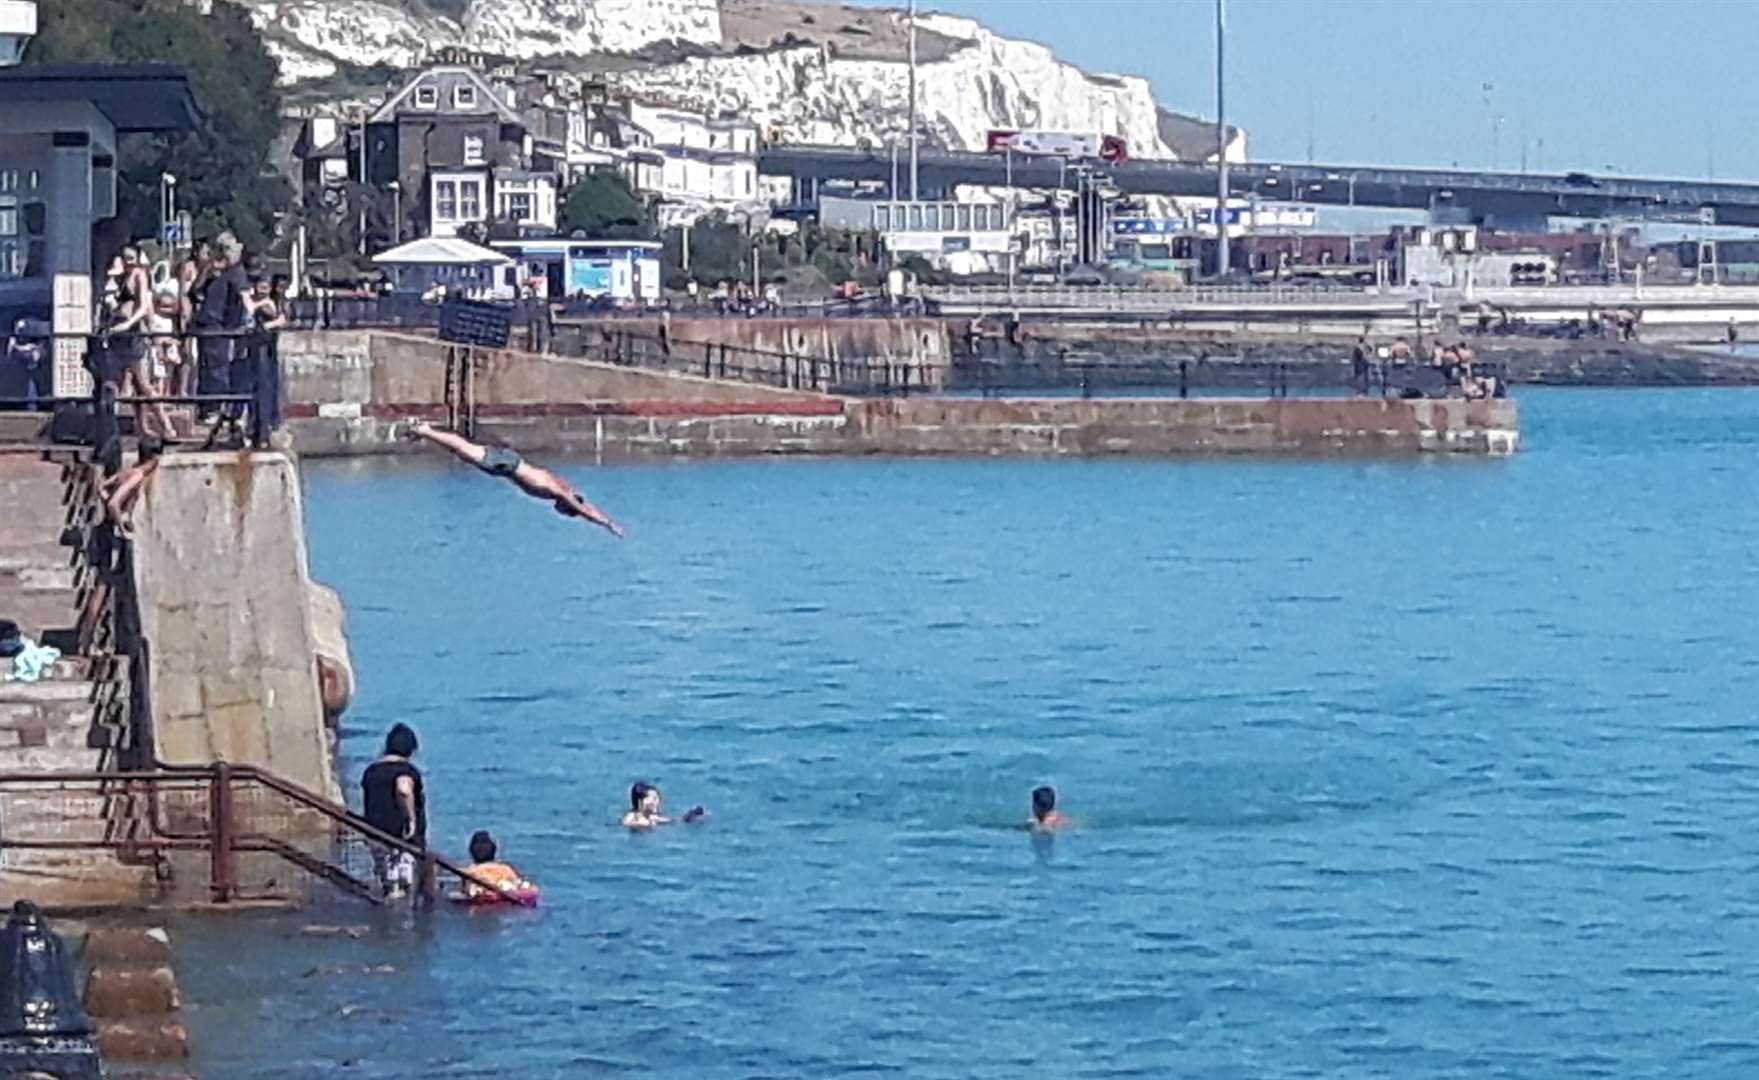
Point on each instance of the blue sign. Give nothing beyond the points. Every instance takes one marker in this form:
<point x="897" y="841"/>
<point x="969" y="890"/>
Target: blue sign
<point x="593" y="277"/>
<point x="171" y="234"/>
<point x="1138" y="226"/>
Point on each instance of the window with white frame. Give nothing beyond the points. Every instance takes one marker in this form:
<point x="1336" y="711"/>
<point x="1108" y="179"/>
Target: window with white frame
<point x="473" y="148"/>
<point x="464" y="96"/>
<point x="446" y="200"/>
<point x="427" y="97"/>
<point x="470" y="193"/>
<point x="518" y="206"/>
<point x="8" y="181"/>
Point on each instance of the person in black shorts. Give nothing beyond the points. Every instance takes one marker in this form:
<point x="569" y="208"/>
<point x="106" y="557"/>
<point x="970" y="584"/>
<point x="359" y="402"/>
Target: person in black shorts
<point x="534" y="480"/>
<point x="394" y="802"/>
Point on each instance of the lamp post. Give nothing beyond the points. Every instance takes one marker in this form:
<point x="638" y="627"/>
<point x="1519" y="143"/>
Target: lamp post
<point x="1221" y="148"/>
<point x="167" y="208"/>
<point x="363" y="180"/>
<point x="913" y="175"/>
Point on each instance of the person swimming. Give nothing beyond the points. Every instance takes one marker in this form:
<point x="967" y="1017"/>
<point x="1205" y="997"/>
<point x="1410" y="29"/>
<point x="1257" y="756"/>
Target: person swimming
<point x="644" y="808"/>
<point x="1045" y="815"/>
<point x="485" y="866"/>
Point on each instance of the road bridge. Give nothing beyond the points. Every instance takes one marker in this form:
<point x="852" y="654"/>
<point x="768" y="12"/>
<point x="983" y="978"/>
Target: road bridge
<point x="1475" y="195"/>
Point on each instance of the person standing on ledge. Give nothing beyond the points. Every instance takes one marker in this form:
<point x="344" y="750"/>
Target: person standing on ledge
<point x="534" y="480"/>
<point x="394" y="803"/>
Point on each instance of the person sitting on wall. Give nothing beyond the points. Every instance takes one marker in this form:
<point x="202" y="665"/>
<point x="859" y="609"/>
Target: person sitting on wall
<point x="121" y="491"/>
<point x="534" y="480"/>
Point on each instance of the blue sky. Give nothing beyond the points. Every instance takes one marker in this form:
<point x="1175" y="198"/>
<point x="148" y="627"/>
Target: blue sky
<point x="1648" y="87"/>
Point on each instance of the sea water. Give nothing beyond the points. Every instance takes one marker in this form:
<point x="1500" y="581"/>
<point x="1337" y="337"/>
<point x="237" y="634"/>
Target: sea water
<point x="1417" y="767"/>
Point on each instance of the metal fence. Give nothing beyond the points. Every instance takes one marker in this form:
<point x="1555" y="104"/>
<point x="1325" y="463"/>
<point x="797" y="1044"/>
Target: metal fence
<point x="795" y="371"/>
<point x="101" y="387"/>
<point x="217" y="834"/>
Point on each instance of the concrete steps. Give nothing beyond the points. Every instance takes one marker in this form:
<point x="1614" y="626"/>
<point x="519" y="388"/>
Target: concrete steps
<point x="38" y="583"/>
<point x="48" y="724"/>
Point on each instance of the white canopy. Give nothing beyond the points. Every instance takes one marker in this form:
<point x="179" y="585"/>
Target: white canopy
<point x="441" y="251"/>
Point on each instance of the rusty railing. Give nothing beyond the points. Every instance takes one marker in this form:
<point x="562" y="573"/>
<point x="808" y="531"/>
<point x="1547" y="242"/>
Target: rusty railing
<point x="217" y="834"/>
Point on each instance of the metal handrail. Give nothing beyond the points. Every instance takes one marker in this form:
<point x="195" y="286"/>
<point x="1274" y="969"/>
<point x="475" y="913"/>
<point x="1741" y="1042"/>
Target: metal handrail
<point x="221" y="837"/>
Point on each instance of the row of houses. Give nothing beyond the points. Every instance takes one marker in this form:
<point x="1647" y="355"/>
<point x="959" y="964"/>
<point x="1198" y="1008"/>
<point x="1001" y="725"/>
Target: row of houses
<point x="459" y="144"/>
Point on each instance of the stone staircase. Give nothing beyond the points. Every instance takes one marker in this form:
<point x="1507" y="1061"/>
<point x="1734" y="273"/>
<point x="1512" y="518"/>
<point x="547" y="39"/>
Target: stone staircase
<point x="39" y="586"/>
<point x="63" y="722"/>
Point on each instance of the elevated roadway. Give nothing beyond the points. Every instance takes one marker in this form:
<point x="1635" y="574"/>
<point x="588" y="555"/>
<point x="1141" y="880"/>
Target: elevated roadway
<point x="1481" y="195"/>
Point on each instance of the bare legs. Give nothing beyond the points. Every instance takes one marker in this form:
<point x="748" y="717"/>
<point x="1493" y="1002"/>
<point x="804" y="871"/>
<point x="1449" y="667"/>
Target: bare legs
<point x="466" y="450"/>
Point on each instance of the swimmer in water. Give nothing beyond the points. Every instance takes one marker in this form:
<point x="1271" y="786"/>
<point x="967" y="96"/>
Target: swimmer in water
<point x="486" y="866"/>
<point x="644" y="809"/>
<point x="1045" y="815"/>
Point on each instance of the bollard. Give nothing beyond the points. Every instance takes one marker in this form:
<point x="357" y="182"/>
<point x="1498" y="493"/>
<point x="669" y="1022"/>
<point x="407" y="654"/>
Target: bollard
<point x="42" y="1027"/>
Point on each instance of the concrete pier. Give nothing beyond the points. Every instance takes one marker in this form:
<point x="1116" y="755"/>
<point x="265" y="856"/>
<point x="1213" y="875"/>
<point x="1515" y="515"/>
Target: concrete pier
<point x="347" y="391"/>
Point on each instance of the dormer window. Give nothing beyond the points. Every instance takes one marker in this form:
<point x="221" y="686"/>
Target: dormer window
<point x="464" y="97"/>
<point x="426" y="97"/>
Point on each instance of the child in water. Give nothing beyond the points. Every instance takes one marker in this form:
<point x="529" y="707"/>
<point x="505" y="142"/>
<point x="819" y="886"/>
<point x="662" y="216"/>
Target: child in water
<point x="485" y="866"/>
<point x="1045" y="815"/>
<point x="644" y="809"/>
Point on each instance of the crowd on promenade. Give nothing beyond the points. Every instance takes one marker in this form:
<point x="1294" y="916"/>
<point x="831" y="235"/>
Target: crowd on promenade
<point x="185" y="327"/>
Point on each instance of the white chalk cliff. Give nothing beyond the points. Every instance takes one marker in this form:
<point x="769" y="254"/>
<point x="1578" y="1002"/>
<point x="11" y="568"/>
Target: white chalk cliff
<point x="811" y="88"/>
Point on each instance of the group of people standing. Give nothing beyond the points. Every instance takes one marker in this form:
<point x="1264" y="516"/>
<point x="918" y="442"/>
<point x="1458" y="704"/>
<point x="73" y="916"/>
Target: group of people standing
<point x="165" y="331"/>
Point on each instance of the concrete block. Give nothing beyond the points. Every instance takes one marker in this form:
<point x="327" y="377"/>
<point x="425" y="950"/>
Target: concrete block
<point x="145" y="1039"/>
<point x="127" y="945"/>
<point x="121" y="993"/>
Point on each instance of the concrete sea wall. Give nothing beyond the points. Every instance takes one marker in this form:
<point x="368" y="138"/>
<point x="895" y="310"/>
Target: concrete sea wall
<point x="345" y="393"/>
<point x="221" y="573"/>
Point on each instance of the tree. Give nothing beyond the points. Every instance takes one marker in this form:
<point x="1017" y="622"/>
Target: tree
<point x="224" y="176"/>
<point x="604" y="208"/>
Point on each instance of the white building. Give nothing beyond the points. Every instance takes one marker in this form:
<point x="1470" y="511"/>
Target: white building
<point x="458" y="197"/>
<point x="960" y="237"/>
<point x="526" y="199"/>
<point x="18" y="24"/>
<point x="707" y="165"/>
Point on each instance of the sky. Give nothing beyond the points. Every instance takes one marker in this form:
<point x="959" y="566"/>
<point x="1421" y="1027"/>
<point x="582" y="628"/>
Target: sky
<point x="1623" y="87"/>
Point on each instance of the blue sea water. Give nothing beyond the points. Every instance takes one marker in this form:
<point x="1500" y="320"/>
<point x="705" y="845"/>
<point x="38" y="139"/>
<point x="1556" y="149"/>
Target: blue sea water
<point x="1405" y="768"/>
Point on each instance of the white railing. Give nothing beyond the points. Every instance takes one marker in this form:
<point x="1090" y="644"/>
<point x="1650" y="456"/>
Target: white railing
<point x="1118" y="299"/>
<point x="1127" y="298"/>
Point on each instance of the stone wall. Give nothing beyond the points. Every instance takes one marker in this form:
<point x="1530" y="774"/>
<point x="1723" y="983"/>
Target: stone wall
<point x="545" y="403"/>
<point x="220" y="568"/>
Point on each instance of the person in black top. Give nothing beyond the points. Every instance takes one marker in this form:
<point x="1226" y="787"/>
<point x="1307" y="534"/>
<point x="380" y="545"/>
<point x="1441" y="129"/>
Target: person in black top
<point x="394" y="803"/>
<point x="222" y="309"/>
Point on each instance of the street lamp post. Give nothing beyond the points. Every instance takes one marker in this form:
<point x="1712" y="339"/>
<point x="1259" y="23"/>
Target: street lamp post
<point x="167" y="208"/>
<point x="363" y="182"/>
<point x="913" y="172"/>
<point x="1221" y="147"/>
<point x="396" y="191"/>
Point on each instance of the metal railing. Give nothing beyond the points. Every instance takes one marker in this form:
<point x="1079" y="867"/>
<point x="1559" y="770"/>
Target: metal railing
<point x="1136" y="299"/>
<point x="218" y="834"/>
<point x="1186" y="378"/>
<point x="240" y="370"/>
<point x="858" y="376"/>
